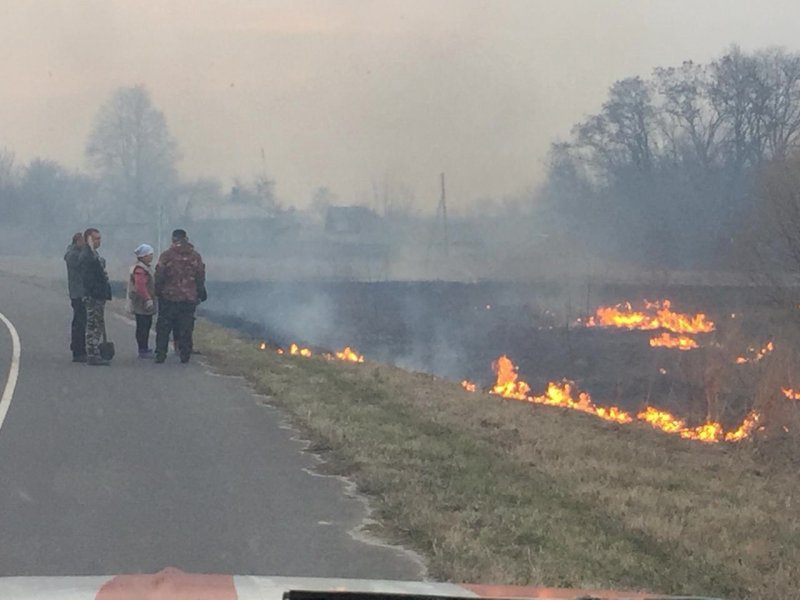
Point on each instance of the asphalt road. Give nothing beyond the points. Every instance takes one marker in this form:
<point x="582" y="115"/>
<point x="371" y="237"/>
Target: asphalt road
<point x="137" y="466"/>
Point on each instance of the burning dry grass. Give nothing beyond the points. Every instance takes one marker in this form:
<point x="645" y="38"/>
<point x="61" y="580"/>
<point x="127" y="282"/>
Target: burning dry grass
<point x="654" y="315"/>
<point x="667" y="340"/>
<point x="496" y="490"/>
<point x="562" y="395"/>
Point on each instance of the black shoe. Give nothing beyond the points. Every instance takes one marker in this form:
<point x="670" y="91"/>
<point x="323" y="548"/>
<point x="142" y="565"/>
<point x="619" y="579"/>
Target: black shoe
<point x="93" y="361"/>
<point x="185" y="359"/>
<point x="81" y="358"/>
<point x="160" y="358"/>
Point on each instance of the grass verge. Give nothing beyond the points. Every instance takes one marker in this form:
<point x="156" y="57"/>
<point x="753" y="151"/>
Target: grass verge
<point x="497" y="491"/>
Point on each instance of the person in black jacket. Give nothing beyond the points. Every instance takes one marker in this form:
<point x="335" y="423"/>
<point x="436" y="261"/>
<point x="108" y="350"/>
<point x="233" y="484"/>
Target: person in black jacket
<point x="98" y="290"/>
<point x="76" y="294"/>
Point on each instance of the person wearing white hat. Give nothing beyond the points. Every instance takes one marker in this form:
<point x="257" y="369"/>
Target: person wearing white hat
<point x="142" y="297"/>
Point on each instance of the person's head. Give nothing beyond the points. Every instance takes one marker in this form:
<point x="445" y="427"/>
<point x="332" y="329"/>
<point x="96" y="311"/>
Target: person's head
<point x="77" y="240"/>
<point x="92" y="237"/>
<point x="179" y="235"/>
<point x="144" y="253"/>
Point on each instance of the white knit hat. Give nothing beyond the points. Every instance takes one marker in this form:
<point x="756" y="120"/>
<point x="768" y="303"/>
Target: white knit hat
<point x="143" y="250"/>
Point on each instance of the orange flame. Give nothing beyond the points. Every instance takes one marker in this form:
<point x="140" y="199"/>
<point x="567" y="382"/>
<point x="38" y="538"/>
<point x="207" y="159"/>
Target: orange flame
<point x="295" y="350"/>
<point x="350" y="355"/>
<point x="758" y="355"/>
<point x="710" y="432"/>
<point x="661" y="419"/>
<point x="791" y="394"/>
<point x="667" y="340"/>
<point x="561" y="394"/>
<point x="262" y="346"/>
<point x="657" y="315"/>
<point x="469" y="386"/>
<point x="745" y="429"/>
<point x="507" y="385"/>
<point x="558" y="393"/>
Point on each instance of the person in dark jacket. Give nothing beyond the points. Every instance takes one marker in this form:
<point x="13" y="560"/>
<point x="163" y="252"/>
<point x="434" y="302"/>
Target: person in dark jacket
<point x="180" y="287"/>
<point x="98" y="291"/>
<point x="76" y="294"/>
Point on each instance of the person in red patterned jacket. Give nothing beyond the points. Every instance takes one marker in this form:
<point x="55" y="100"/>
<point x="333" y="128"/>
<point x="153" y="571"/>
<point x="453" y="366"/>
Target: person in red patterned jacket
<point x="142" y="297"/>
<point x="180" y="286"/>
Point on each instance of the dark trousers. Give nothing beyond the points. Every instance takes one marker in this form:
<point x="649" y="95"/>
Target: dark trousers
<point x="78" y="339"/>
<point x="176" y="317"/>
<point x="143" y="325"/>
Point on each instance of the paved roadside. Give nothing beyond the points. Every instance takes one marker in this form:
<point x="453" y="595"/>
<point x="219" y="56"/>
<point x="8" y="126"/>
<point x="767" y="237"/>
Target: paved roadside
<point x="138" y="466"/>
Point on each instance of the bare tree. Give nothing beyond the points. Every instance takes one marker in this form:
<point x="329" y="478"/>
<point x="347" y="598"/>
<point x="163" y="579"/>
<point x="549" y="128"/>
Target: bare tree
<point x="321" y="199"/>
<point x="733" y="92"/>
<point x="132" y="150"/>
<point x="671" y="165"/>
<point x="197" y="196"/>
<point x="623" y="134"/>
<point x="6" y="167"/>
<point x="44" y="186"/>
<point x="690" y="120"/>
<point x="7" y="186"/>
<point x="265" y="190"/>
<point x="777" y="87"/>
<point x="261" y="194"/>
<point x="391" y="198"/>
<point x="777" y="227"/>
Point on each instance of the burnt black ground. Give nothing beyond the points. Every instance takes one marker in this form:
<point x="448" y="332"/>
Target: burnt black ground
<point x="455" y="330"/>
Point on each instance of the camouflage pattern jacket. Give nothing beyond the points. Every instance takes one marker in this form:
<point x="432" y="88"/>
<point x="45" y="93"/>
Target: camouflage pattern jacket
<point x="181" y="274"/>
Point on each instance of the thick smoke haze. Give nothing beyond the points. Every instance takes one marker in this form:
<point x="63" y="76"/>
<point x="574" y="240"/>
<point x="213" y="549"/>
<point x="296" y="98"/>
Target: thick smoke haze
<point x="340" y="94"/>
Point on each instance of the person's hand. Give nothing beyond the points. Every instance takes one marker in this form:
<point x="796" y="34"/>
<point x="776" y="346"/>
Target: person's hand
<point x="149" y="305"/>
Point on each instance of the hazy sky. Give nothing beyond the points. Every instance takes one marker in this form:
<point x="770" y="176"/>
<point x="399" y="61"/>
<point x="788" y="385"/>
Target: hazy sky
<point x="342" y="93"/>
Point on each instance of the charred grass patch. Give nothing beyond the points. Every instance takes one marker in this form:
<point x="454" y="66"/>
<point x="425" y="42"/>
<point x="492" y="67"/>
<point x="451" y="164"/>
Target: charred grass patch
<point x="500" y="491"/>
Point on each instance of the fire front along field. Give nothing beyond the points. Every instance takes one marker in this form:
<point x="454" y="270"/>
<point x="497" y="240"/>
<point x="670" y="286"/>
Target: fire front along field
<point x="711" y="364"/>
<point x="609" y="436"/>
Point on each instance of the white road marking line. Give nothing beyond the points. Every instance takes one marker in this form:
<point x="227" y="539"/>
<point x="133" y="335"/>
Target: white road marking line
<point x="13" y="371"/>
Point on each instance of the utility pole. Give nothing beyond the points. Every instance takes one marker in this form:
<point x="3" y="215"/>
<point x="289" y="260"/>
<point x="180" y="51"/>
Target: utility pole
<point x="261" y="190"/>
<point x="263" y="164"/>
<point x="441" y="214"/>
<point x="443" y="207"/>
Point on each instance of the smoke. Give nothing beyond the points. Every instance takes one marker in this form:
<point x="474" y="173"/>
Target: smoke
<point x="321" y="224"/>
<point x="338" y="94"/>
<point x="283" y="314"/>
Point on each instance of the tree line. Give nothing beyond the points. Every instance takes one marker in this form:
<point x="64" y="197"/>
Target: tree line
<point x="676" y="170"/>
<point x="668" y="170"/>
<point x="132" y="178"/>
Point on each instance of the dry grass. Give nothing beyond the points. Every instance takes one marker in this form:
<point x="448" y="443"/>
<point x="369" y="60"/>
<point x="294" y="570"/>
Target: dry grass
<point x="506" y="492"/>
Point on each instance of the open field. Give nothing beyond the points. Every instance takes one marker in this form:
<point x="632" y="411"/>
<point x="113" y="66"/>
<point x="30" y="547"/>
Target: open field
<point x="456" y="330"/>
<point x="492" y="490"/>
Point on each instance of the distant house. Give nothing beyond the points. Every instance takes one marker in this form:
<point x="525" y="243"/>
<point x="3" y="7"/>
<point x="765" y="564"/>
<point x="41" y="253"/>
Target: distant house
<point x="355" y="232"/>
<point x="352" y="220"/>
<point x="228" y="211"/>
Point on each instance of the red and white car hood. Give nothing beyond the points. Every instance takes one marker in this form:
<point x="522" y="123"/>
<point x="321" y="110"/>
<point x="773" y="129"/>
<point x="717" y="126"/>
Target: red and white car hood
<point x="172" y="584"/>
